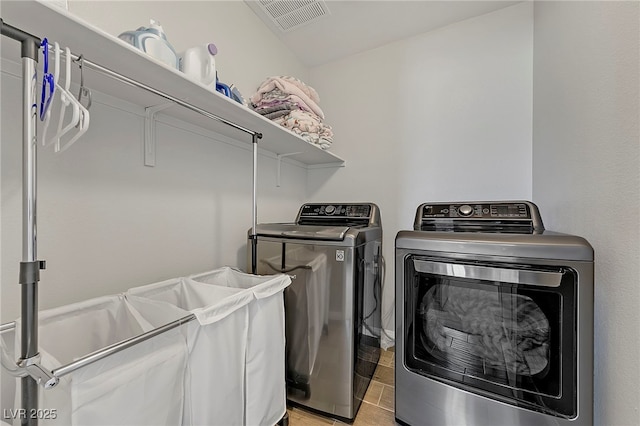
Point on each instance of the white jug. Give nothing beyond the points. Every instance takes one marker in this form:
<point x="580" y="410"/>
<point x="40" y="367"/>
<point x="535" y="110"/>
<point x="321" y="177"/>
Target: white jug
<point x="199" y="63"/>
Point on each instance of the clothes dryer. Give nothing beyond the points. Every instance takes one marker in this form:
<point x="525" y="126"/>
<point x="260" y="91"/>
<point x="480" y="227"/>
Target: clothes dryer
<point x="494" y="319"/>
<point x="333" y="254"/>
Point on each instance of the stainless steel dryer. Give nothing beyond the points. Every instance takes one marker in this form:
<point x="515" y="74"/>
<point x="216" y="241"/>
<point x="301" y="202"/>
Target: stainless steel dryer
<point x="494" y="319"/>
<point x="333" y="253"/>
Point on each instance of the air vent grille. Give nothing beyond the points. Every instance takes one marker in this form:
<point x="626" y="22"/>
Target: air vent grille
<point x="291" y="14"/>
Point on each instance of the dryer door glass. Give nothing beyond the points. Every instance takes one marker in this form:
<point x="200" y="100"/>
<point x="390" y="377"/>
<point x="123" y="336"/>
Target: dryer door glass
<point x="502" y="330"/>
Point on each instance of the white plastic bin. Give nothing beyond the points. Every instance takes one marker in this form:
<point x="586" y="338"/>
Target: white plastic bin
<point x="141" y="385"/>
<point x="265" y="352"/>
<point x="217" y="341"/>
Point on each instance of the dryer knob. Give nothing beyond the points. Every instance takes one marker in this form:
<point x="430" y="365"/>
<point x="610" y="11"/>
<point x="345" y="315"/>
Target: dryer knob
<point x="329" y="209"/>
<point x="465" y="210"/>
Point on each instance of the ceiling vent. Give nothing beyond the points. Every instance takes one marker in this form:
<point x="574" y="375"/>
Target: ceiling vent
<point x="291" y="14"/>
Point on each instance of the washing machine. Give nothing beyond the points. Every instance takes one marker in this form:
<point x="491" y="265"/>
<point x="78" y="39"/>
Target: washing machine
<point x="333" y="254"/>
<point x="494" y="318"/>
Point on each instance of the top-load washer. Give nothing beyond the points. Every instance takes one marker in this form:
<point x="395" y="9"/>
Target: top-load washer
<point x="333" y="254"/>
<point x="494" y="318"/>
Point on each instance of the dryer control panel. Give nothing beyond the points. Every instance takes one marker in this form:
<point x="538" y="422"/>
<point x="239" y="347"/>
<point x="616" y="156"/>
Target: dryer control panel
<point x="501" y="216"/>
<point x="477" y="210"/>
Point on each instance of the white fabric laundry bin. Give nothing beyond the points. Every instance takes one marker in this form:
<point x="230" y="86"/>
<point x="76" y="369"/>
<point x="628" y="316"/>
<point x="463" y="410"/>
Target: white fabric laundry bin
<point x="265" y="351"/>
<point x="140" y="385"/>
<point x="7" y="378"/>
<point x="217" y="341"/>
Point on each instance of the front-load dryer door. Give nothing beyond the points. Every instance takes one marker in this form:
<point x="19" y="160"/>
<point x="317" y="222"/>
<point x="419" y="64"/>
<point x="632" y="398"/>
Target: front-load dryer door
<point x="504" y="331"/>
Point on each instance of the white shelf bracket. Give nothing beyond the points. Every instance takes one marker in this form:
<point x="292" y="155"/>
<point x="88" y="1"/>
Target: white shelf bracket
<point x="150" y="132"/>
<point x="280" y="157"/>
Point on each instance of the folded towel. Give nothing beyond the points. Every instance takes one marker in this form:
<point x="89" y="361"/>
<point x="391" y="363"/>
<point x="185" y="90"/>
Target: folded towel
<point x="276" y="97"/>
<point x="285" y="106"/>
<point x="275" y="114"/>
<point x="279" y="88"/>
<point x="287" y="81"/>
<point x="294" y="105"/>
<point x="303" y="122"/>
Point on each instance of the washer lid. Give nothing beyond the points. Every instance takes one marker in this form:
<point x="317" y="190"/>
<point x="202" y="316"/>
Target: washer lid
<point x="306" y="232"/>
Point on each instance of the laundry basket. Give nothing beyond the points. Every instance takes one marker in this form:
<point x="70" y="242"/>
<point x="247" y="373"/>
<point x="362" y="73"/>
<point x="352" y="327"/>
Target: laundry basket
<point x="265" y="351"/>
<point x="217" y="341"/>
<point x="140" y="385"/>
<point x="7" y="379"/>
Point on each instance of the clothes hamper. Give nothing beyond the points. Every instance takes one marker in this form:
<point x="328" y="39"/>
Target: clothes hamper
<point x="217" y="340"/>
<point x="140" y="385"/>
<point x="7" y="379"/>
<point x="265" y="356"/>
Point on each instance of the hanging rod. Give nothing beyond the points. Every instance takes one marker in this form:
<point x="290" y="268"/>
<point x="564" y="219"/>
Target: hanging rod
<point x="123" y="78"/>
<point x="107" y="351"/>
<point x="118" y="347"/>
<point x="8" y="326"/>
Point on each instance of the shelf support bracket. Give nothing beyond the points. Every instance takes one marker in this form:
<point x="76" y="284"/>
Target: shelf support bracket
<point x="150" y="132"/>
<point x="280" y="157"/>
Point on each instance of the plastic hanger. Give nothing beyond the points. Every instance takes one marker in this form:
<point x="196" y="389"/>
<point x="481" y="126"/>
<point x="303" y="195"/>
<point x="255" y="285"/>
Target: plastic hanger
<point x="47" y="80"/>
<point x="83" y="121"/>
<point x="67" y="100"/>
<point x="84" y="125"/>
<point x="47" y="119"/>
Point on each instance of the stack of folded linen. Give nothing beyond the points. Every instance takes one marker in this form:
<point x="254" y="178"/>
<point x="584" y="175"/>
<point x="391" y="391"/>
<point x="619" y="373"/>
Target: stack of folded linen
<point x="294" y="105"/>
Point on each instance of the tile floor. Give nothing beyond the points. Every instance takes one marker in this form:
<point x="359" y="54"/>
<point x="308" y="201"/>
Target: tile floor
<point x="377" y="407"/>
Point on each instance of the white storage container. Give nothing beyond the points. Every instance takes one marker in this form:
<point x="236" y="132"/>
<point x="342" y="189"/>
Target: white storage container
<point x="217" y="341"/>
<point x="265" y="351"/>
<point x="141" y="385"/>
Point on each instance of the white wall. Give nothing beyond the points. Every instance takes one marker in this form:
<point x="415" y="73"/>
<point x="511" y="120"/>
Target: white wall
<point x="105" y="221"/>
<point x="442" y="116"/>
<point x="586" y="172"/>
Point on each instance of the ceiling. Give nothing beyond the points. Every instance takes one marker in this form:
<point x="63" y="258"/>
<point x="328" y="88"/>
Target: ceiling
<point x="353" y="26"/>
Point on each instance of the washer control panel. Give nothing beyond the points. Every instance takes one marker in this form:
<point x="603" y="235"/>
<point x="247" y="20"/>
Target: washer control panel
<point x="335" y="210"/>
<point x="328" y="214"/>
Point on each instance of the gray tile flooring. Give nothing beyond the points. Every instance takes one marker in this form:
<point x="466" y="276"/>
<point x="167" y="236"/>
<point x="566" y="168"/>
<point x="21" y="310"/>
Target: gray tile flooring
<point x="377" y="407"/>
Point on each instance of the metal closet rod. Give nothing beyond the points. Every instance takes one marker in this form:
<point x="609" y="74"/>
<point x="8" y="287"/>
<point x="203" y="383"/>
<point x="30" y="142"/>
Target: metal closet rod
<point x="109" y="350"/>
<point x="8" y="326"/>
<point x="123" y="78"/>
<point x="117" y="347"/>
